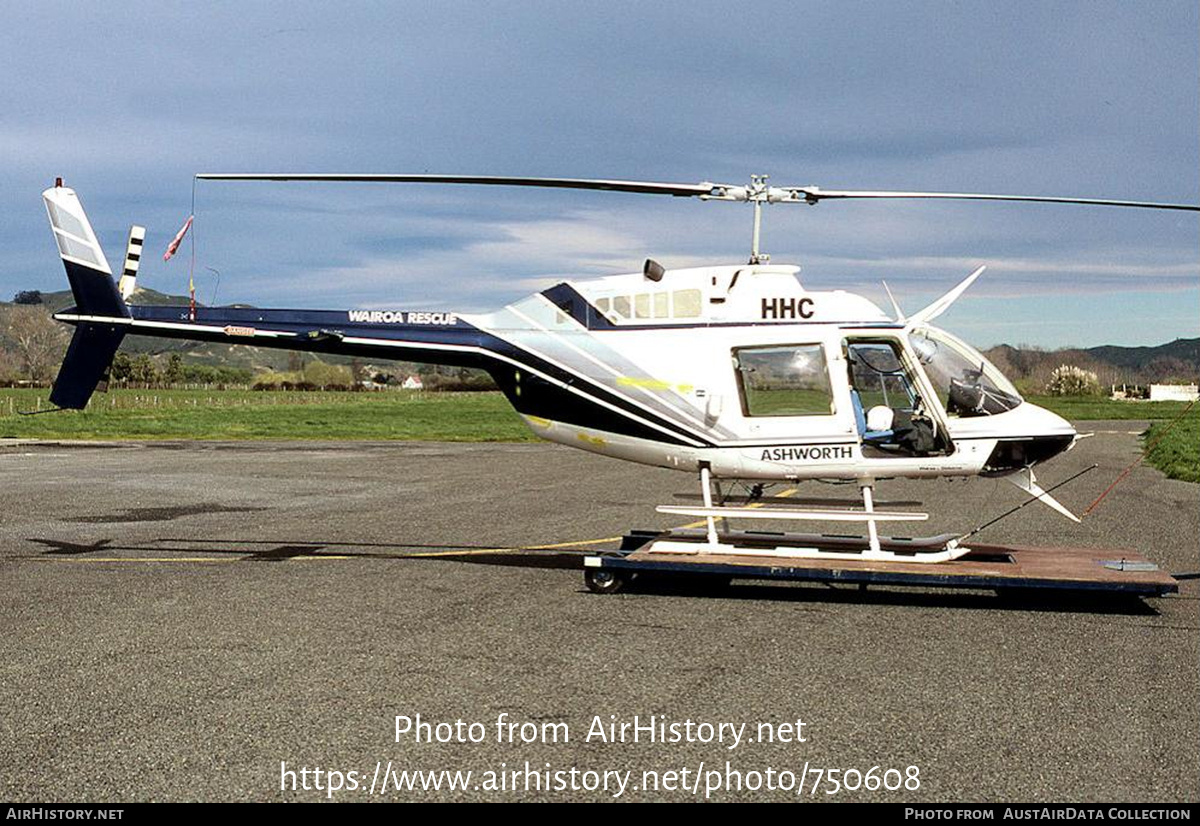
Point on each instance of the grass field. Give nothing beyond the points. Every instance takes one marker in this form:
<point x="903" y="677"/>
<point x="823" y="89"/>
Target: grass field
<point x="253" y="414"/>
<point x="1176" y="452"/>
<point x="1083" y="408"/>
<point x="452" y="417"/>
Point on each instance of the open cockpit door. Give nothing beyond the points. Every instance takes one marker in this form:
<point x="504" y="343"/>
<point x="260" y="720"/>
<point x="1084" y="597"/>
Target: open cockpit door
<point x="891" y="414"/>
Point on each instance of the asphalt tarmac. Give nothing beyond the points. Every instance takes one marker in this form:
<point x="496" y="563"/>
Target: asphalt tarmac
<point x="193" y="621"/>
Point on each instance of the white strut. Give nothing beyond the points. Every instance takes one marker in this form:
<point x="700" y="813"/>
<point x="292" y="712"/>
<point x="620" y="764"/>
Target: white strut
<point x="869" y="507"/>
<point x="706" y="493"/>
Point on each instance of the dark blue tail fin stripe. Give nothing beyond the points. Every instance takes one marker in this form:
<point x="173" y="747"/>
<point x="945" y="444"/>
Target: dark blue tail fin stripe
<point x="95" y="292"/>
<point x="91" y="352"/>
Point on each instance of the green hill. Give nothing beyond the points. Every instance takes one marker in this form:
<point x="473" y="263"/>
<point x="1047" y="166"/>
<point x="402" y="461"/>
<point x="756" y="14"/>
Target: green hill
<point x="1175" y="361"/>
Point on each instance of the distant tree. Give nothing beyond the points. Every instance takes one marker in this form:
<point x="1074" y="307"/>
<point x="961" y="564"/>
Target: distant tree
<point x="207" y="374"/>
<point x="270" y="379"/>
<point x="173" y="374"/>
<point x="37" y="340"/>
<point x="1170" y="370"/>
<point x="143" y="370"/>
<point x="121" y="369"/>
<point x="1069" y="380"/>
<point x="325" y="375"/>
<point x="28" y="297"/>
<point x="10" y="368"/>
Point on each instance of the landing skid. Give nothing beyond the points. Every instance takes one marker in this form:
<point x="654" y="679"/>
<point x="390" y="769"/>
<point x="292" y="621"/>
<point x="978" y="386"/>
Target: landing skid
<point x="731" y="543"/>
<point x="770" y="544"/>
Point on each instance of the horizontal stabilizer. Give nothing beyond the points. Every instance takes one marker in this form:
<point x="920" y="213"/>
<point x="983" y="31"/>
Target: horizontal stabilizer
<point x="91" y="352"/>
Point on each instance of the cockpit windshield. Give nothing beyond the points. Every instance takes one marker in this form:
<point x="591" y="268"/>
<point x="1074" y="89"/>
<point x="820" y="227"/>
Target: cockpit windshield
<point x="966" y="382"/>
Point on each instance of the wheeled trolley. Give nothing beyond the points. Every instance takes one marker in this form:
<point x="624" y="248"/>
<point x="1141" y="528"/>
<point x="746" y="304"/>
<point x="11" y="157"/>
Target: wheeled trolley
<point x="998" y="567"/>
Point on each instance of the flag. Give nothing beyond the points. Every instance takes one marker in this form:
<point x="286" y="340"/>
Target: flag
<point x="178" y="239"/>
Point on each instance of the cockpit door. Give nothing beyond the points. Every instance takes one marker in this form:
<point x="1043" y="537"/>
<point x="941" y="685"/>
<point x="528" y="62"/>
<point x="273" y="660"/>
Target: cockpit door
<point x="894" y="409"/>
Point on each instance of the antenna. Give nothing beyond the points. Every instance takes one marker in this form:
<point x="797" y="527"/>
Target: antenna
<point x="895" y="306"/>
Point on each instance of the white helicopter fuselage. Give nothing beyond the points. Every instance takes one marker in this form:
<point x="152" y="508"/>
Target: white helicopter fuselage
<point x="682" y="350"/>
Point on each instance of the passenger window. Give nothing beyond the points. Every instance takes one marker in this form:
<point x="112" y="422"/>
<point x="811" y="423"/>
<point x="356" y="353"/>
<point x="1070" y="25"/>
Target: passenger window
<point x="786" y="380"/>
<point x="641" y="305"/>
<point x="687" y="304"/>
<point x="661" y="305"/>
<point x="621" y="306"/>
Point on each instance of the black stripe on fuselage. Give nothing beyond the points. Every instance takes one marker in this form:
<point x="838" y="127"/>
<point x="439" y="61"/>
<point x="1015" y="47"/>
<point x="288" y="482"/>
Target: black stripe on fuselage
<point x="460" y="345"/>
<point x="571" y="302"/>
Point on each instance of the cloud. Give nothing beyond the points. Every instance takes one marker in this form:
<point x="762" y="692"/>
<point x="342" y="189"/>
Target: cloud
<point x="128" y="101"/>
<point x="512" y="260"/>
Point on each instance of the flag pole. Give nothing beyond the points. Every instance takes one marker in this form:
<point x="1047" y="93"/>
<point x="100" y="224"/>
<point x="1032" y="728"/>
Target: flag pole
<point x="171" y="250"/>
<point x="192" y="266"/>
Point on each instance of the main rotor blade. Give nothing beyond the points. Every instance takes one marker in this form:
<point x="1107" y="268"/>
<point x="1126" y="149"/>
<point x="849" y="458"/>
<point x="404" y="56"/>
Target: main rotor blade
<point x="646" y="187"/>
<point x="705" y="190"/>
<point x="813" y="194"/>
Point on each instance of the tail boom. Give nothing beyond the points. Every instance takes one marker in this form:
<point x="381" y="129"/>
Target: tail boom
<point x="453" y="342"/>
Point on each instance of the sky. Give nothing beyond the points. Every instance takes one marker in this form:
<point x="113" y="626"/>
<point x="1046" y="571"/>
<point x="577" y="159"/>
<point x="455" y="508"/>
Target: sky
<point x="127" y="100"/>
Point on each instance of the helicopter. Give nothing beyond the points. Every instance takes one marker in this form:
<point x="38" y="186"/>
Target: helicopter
<point x="733" y="373"/>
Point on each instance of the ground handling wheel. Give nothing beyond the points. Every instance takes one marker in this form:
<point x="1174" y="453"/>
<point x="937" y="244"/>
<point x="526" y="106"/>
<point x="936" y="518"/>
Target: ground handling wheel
<point x="600" y="581"/>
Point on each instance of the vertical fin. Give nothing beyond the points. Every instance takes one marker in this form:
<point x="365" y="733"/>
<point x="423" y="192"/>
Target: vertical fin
<point x="95" y="342"/>
<point x="88" y="272"/>
<point x="86" y="365"/>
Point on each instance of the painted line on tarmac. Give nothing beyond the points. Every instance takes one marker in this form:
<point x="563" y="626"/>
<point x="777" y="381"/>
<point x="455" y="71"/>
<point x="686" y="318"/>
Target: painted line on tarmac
<point x="703" y="522"/>
<point x="550" y="547"/>
<point x="487" y="551"/>
<point x="251" y="555"/>
<point x="131" y="559"/>
<point x="417" y="555"/>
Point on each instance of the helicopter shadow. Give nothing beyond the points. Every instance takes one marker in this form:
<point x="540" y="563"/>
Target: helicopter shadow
<point x="690" y="586"/>
<point x="256" y="550"/>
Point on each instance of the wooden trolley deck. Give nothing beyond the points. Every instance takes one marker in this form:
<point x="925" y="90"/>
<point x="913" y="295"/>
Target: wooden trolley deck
<point x="985" y="567"/>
